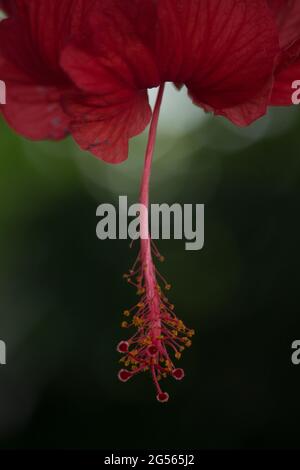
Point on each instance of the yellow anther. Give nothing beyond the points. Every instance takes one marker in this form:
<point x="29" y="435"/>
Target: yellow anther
<point x="127" y="363"/>
<point x="168" y="286"/>
<point x="141" y="305"/>
<point x="141" y="291"/>
<point x="124" y="324"/>
<point x="181" y="348"/>
<point x="178" y="355"/>
<point x="137" y="321"/>
<point x="191" y="333"/>
<point x="188" y="343"/>
<point x="126" y="313"/>
<point x="146" y="341"/>
<point x="175" y="333"/>
<point x="161" y="259"/>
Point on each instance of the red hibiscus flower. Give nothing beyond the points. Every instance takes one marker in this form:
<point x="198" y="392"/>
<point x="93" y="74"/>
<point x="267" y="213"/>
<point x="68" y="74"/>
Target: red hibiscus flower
<point x="87" y="70"/>
<point x="287" y="15"/>
<point x="31" y="40"/>
<point x="225" y="53"/>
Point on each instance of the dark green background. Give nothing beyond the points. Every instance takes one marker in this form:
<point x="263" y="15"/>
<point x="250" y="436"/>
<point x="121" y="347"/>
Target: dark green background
<point x="62" y="293"/>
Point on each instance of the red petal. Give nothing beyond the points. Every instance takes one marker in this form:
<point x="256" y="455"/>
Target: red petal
<point x="224" y="51"/>
<point x="103" y="126"/>
<point x="234" y="47"/>
<point x="32" y="107"/>
<point x="46" y="26"/>
<point x="244" y="114"/>
<point x="113" y="67"/>
<point x="30" y="49"/>
<point x="287" y="15"/>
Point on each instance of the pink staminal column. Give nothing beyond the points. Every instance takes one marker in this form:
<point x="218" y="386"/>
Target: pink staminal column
<point x="159" y="331"/>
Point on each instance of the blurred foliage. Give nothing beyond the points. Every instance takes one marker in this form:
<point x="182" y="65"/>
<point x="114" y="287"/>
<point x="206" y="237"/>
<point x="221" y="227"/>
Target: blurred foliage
<point x="62" y="292"/>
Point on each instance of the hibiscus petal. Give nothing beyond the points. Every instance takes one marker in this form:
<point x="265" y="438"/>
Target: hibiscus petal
<point x="48" y="24"/>
<point x="29" y="64"/>
<point x="103" y="123"/>
<point x="223" y="50"/>
<point x="235" y="45"/>
<point x="104" y="128"/>
<point x="114" y="67"/>
<point x="287" y="15"/>
<point x="35" y="112"/>
<point x="33" y="106"/>
<point x="245" y="113"/>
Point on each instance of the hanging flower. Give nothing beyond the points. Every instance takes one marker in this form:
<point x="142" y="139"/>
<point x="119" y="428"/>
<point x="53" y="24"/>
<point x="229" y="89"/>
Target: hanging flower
<point x="87" y="69"/>
<point x="225" y="53"/>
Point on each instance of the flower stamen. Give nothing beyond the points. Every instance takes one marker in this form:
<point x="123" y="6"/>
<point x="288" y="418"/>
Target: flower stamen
<point x="158" y="328"/>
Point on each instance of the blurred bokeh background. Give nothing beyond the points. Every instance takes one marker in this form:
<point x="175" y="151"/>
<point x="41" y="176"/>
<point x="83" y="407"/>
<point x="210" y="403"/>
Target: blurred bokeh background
<point x="62" y="293"/>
